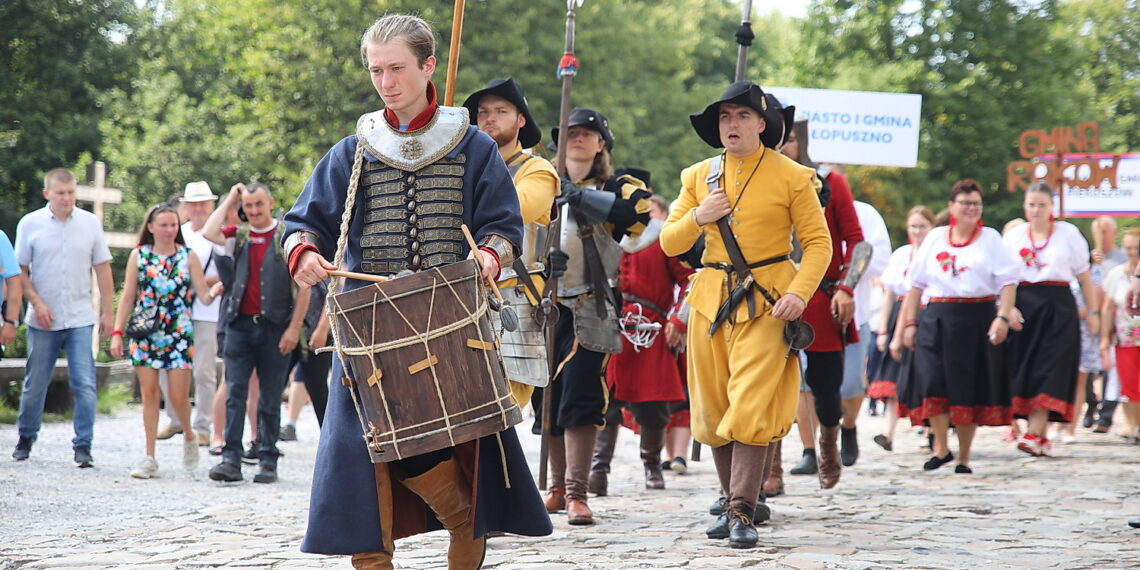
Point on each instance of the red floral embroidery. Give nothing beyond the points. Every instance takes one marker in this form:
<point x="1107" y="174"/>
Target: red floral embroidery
<point x="959" y="415"/>
<point x="1029" y="257"/>
<point x="949" y="263"/>
<point x="881" y="390"/>
<point x="1023" y="406"/>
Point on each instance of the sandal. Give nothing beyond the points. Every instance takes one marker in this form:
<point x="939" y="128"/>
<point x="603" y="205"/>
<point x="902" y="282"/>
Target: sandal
<point x="216" y="450"/>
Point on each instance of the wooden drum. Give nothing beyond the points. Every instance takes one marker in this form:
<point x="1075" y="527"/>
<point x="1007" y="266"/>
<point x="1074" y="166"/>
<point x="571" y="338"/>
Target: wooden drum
<point x="422" y="361"/>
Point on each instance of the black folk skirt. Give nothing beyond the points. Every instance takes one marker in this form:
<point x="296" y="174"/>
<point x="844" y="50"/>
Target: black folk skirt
<point x="956" y="370"/>
<point x="1043" y="357"/>
<point x="883" y="380"/>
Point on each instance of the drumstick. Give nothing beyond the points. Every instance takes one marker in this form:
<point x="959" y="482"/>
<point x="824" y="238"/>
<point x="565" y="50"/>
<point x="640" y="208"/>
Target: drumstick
<point x="360" y="276"/>
<point x="506" y="312"/>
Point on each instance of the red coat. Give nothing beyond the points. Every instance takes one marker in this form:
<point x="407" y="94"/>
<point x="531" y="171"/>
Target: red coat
<point x="651" y="374"/>
<point x="845" y="233"/>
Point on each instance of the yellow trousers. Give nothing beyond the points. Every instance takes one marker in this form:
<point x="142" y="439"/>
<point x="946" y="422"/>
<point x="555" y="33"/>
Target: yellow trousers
<point x="741" y="388"/>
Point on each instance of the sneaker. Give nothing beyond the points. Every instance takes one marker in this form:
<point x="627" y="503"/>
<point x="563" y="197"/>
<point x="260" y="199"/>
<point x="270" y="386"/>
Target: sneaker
<point x="267" y="474"/>
<point x="169" y="431"/>
<point x="288" y="432"/>
<point x="190" y="453"/>
<point x="23" y="449"/>
<point x="250" y="455"/>
<point x="203" y="439"/>
<point x="225" y="471"/>
<point x="679" y="466"/>
<point x="1030" y="443"/>
<point x="146" y="469"/>
<point x="1046" y="449"/>
<point x="83" y="458"/>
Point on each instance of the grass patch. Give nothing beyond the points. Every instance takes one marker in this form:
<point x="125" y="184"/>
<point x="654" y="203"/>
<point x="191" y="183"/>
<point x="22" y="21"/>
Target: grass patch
<point x="112" y="398"/>
<point x="108" y="401"/>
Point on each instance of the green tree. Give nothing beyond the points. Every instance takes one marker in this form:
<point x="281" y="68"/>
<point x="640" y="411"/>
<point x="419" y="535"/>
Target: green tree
<point x="56" y="58"/>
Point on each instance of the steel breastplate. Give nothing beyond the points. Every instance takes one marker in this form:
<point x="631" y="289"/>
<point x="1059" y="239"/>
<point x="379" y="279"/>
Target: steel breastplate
<point x="412" y="219"/>
<point x="577" y="281"/>
<point x="534" y="235"/>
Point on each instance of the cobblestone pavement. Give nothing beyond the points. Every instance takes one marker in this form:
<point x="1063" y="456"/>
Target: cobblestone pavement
<point x="1015" y="511"/>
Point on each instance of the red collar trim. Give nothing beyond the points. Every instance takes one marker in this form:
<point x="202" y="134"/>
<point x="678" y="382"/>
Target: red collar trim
<point x="420" y="120"/>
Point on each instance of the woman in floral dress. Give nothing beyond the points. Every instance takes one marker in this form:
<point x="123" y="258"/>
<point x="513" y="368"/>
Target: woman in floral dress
<point x="1122" y="328"/>
<point x="160" y="273"/>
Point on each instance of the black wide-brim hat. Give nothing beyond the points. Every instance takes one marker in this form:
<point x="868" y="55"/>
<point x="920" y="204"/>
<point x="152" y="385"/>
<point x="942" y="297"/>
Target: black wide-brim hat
<point x="530" y="134"/>
<point x="584" y="117"/>
<point x="748" y="94"/>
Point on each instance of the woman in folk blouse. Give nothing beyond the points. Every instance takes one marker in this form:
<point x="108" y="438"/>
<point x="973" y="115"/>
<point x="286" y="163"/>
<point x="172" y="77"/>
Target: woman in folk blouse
<point x="1042" y="359"/>
<point x="960" y="269"/>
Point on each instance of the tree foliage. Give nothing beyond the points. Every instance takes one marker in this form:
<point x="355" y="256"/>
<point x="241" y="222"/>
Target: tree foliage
<point x="229" y="91"/>
<point x="57" y="57"/>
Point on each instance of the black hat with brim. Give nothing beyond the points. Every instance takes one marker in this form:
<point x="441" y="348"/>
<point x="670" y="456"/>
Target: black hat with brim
<point x="530" y="134"/>
<point x="748" y="94"/>
<point x="584" y="117"/>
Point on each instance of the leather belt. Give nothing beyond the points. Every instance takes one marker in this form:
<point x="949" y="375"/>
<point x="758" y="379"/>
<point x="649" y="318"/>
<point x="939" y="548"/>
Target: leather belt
<point x="631" y="298"/>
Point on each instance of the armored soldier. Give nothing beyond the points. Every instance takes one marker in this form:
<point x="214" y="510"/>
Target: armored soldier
<point x="502" y="112"/>
<point x="597" y="210"/>
<point x="418" y="171"/>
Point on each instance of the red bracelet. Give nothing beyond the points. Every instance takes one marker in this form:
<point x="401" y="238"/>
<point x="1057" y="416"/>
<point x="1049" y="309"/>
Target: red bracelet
<point x="116" y="332"/>
<point x="910" y="324"/>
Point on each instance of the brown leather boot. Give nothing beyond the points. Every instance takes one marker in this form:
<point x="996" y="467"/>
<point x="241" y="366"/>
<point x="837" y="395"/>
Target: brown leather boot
<point x="747" y="476"/>
<point x="829" y="466"/>
<point x="603" y="454"/>
<point x="774" y="484"/>
<point x="448" y="493"/>
<point x="556" y="493"/>
<point x="579" y="449"/>
<point x="376" y="560"/>
<point x="652" y="440"/>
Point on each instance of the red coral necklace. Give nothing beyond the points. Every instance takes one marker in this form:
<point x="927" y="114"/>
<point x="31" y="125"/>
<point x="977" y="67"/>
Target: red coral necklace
<point x="969" y="240"/>
<point x="1033" y="245"/>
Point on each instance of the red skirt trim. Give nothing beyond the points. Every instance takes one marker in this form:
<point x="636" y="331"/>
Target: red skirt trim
<point x="1023" y="406"/>
<point x="882" y="389"/>
<point x="959" y="415"/>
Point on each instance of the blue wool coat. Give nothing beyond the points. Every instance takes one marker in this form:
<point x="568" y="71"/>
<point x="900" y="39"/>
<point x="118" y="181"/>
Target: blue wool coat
<point x="344" y="511"/>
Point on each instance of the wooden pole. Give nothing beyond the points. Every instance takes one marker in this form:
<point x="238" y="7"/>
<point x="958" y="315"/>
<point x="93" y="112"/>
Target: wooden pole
<point x="551" y="290"/>
<point x="453" y="54"/>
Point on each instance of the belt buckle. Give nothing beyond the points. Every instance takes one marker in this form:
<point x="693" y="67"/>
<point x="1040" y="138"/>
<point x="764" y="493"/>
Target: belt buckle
<point x="256" y="319"/>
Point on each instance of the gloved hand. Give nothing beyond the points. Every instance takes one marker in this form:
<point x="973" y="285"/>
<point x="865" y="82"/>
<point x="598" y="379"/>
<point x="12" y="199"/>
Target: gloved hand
<point x="557" y="260"/>
<point x="571" y="193"/>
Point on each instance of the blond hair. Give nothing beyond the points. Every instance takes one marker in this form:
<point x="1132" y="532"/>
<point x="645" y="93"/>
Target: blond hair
<point x="413" y="30"/>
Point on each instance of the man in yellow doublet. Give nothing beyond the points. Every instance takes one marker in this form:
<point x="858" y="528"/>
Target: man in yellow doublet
<point x="743" y="384"/>
<point x="501" y="111"/>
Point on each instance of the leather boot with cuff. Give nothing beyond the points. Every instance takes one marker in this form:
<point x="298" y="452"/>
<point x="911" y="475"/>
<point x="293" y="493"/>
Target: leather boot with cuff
<point x="829" y="466"/>
<point x="579" y="450"/>
<point x="448" y="493"/>
<point x="652" y="440"/>
<point x="848" y="446"/>
<point x="603" y="454"/>
<point x="774" y="484"/>
<point x="807" y="465"/>
<point x="555" y="499"/>
<point x="375" y="560"/>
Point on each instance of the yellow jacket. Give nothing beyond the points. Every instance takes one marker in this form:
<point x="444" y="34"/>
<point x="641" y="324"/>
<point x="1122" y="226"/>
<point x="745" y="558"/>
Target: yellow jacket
<point x="771" y="195"/>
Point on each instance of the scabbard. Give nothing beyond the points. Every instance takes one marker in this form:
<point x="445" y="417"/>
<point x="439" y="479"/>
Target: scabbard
<point x="738" y="294"/>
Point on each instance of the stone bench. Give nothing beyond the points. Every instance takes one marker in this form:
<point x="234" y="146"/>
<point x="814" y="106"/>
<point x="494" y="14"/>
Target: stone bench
<point x="59" y="399"/>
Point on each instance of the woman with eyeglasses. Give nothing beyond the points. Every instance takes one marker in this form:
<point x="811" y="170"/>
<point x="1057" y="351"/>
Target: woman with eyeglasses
<point x="1043" y="358"/>
<point x="890" y="378"/>
<point x="960" y="270"/>
<point x="160" y="273"/>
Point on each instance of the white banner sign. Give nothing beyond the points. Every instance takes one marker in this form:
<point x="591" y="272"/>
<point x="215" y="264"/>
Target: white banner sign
<point x="1098" y="184"/>
<point x="857" y="127"/>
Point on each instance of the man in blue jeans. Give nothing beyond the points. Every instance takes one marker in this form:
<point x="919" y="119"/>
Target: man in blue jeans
<point x="56" y="247"/>
<point x="262" y="319"/>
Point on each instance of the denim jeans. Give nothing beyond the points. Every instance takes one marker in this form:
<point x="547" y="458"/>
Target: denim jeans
<point x="252" y="345"/>
<point x="43" y="346"/>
